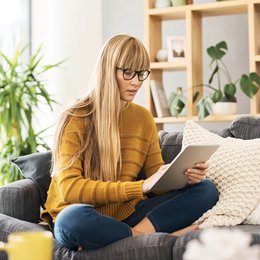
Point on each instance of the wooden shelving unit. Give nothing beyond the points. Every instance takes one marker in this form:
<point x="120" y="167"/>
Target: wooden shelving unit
<point x="193" y="15"/>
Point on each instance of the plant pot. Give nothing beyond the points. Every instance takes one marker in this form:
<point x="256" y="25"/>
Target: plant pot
<point x="178" y="2"/>
<point x="224" y="108"/>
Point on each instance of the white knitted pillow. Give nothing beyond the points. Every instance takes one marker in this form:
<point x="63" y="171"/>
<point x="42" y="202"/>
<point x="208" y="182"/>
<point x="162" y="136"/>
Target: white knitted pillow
<point x="235" y="169"/>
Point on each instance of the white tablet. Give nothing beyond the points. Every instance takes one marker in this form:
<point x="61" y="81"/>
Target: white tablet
<point x="173" y="178"/>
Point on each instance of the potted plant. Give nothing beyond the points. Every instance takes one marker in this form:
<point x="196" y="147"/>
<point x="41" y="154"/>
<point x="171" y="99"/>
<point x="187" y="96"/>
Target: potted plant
<point x="222" y="95"/>
<point x="22" y="90"/>
<point x="249" y="84"/>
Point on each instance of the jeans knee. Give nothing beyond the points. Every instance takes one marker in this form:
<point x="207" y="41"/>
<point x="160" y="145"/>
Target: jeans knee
<point x="72" y="217"/>
<point x="210" y="191"/>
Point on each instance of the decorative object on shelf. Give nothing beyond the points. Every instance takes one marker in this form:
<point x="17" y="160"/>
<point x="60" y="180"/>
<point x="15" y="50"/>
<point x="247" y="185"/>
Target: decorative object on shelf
<point x="222" y="244"/>
<point x="176" y="47"/>
<point x="249" y="84"/>
<point x="162" y="55"/>
<point x="189" y="2"/>
<point x="22" y="91"/>
<point x="159" y="99"/>
<point x="178" y="2"/>
<point x="162" y="3"/>
<point x="176" y="102"/>
<point x="224" y="107"/>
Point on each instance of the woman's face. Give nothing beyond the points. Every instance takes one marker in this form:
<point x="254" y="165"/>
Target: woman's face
<point x="127" y="88"/>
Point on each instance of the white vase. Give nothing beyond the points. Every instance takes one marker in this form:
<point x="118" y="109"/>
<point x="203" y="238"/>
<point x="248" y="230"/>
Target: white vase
<point x="224" y="108"/>
<point x="162" y="55"/>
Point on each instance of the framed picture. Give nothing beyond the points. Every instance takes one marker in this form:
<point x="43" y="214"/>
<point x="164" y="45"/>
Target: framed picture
<point x="176" y="47"/>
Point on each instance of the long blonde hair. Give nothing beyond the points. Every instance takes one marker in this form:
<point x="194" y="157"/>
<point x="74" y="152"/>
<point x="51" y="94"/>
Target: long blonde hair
<point x="100" y="145"/>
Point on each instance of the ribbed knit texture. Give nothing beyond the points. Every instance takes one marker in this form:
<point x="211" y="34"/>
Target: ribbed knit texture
<point x="235" y="169"/>
<point x="139" y="148"/>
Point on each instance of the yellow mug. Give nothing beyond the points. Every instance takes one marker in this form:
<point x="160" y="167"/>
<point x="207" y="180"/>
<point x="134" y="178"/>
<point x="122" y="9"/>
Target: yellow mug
<point x="34" y="245"/>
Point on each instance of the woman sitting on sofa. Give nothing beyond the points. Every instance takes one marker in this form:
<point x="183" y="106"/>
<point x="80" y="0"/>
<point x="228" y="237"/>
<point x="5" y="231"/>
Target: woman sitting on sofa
<point x="101" y="144"/>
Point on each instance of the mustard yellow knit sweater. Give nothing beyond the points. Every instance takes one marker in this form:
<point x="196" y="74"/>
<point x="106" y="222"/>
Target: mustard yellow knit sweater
<point x="139" y="148"/>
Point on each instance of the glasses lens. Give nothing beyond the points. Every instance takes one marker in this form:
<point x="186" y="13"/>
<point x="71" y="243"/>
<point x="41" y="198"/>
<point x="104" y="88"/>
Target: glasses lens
<point x="128" y="74"/>
<point x="142" y="75"/>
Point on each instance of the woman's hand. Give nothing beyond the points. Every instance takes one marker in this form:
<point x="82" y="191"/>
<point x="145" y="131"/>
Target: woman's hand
<point x="197" y="173"/>
<point x="149" y="181"/>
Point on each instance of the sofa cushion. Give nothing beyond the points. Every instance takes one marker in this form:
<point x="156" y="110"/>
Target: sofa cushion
<point x="36" y="167"/>
<point x="171" y="142"/>
<point x="235" y="169"/>
<point x="245" y="127"/>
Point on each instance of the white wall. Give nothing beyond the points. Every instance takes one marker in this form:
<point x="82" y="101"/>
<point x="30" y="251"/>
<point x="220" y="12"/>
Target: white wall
<point x="70" y="30"/>
<point x="123" y="16"/>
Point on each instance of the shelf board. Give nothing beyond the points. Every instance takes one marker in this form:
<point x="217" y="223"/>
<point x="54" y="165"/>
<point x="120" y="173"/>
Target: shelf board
<point x="257" y="58"/>
<point x="177" y="65"/>
<point x="208" y="9"/>
<point x="212" y="118"/>
<point x="222" y="8"/>
<point x="169" y="13"/>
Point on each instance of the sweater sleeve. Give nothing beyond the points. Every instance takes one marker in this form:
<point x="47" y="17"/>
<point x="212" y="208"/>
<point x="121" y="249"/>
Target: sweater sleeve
<point x="154" y="157"/>
<point x="75" y="188"/>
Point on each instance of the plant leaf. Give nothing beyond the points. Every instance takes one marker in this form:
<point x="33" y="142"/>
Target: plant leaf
<point x="195" y="96"/>
<point x="213" y="73"/>
<point x="218" y="51"/>
<point x="250" y="84"/>
<point x="230" y="90"/>
<point x="204" y="107"/>
<point x="217" y="95"/>
<point x="176" y="103"/>
<point x="50" y="66"/>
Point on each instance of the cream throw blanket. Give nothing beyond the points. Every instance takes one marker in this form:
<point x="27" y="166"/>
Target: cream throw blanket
<point x="235" y="169"/>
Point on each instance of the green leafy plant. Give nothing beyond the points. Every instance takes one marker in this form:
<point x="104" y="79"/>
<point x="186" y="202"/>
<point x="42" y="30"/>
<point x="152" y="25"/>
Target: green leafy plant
<point x="249" y="84"/>
<point x="176" y="102"/>
<point x="22" y="90"/>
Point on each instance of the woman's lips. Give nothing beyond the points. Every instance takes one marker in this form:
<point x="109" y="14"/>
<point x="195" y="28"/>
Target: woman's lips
<point x="133" y="92"/>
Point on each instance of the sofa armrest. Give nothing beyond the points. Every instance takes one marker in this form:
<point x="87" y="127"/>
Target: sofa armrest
<point x="21" y="200"/>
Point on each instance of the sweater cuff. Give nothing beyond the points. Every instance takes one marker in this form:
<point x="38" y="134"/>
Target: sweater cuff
<point x="134" y="190"/>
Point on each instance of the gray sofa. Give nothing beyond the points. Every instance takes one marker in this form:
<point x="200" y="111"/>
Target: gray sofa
<point x="20" y="204"/>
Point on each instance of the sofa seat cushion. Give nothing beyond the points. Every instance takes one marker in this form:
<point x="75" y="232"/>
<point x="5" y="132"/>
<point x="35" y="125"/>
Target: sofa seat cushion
<point x="155" y="246"/>
<point x="148" y="247"/>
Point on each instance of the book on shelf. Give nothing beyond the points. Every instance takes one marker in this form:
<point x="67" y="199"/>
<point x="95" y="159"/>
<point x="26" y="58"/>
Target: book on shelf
<point x="159" y="99"/>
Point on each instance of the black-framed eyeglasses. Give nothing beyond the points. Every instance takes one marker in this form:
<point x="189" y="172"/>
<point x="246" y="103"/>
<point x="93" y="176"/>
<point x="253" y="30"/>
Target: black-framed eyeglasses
<point x="130" y="74"/>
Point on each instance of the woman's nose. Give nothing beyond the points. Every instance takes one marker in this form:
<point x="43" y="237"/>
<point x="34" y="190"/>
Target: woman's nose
<point x="135" y="80"/>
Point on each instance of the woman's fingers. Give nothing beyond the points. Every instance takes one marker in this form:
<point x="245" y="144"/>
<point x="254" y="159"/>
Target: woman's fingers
<point x="197" y="173"/>
<point x="201" y="166"/>
<point x="192" y="180"/>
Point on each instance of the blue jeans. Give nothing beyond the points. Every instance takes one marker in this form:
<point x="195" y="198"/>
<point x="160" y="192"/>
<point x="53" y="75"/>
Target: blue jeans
<point x="81" y="225"/>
